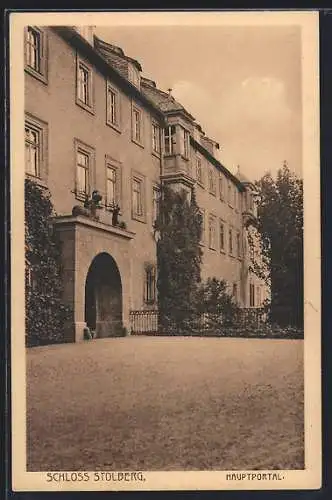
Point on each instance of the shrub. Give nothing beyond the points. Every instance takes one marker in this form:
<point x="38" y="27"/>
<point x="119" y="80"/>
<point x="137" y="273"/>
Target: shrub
<point x="215" y="306"/>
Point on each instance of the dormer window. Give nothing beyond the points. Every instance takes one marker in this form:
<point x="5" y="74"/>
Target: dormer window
<point x="134" y="76"/>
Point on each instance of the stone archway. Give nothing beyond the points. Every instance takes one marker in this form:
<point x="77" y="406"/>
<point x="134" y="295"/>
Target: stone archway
<point x="103" y="296"/>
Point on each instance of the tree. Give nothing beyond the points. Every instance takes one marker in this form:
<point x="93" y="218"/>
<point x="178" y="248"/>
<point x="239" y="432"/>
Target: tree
<point x="45" y="311"/>
<point x="179" y="259"/>
<point x="280" y="224"/>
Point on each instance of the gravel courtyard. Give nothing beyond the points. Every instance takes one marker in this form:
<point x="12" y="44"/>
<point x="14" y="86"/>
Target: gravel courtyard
<point x="148" y="403"/>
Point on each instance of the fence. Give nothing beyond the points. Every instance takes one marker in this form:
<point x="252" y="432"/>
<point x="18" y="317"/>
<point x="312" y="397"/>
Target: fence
<point x="146" y="322"/>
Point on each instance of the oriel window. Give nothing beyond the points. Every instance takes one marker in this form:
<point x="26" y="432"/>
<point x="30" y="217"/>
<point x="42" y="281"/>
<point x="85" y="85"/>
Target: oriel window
<point x="169" y="139"/>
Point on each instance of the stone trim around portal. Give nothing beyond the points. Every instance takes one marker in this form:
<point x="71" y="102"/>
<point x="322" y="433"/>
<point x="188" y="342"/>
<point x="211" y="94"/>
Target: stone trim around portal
<point x="68" y="220"/>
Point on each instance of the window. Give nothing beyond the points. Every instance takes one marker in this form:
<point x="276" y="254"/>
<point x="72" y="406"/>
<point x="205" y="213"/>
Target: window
<point x="36" y="53"/>
<point x="35" y="147"/>
<point x="137" y="125"/>
<point x="221" y="187"/>
<point x="184" y="143"/>
<point x="112" y="106"/>
<point x="155" y="204"/>
<point x="32" y="151"/>
<point x="133" y="75"/>
<point x="238" y="244"/>
<point x="199" y="170"/>
<point x="212" y="232"/>
<point x="221" y="237"/>
<point x="84" y="165"/>
<point x="202" y="214"/>
<point x="84" y="86"/>
<point x="252" y="295"/>
<point x="169" y="139"/>
<point x="33" y="49"/>
<point x="230" y="241"/>
<point x="137" y="202"/>
<point x="155" y="138"/>
<point x="150" y="285"/>
<point x="235" y="292"/>
<point x="229" y="193"/>
<point x="212" y="181"/>
<point x="258" y="294"/>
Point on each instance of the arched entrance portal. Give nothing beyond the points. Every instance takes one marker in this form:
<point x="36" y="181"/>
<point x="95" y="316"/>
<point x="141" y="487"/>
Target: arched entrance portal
<point x="103" y="296"/>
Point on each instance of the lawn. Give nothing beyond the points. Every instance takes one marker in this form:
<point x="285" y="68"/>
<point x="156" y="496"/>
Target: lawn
<point x="148" y="403"/>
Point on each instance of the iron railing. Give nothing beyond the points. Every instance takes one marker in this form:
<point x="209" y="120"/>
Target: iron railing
<point x="144" y="322"/>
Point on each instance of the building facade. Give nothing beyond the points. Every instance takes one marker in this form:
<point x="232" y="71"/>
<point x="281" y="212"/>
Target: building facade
<point x="95" y="127"/>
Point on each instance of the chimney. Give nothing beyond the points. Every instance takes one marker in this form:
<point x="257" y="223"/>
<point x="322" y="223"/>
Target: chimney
<point x="86" y="32"/>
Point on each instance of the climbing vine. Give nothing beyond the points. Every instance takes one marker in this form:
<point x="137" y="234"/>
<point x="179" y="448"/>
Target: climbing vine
<point x="45" y="311"/>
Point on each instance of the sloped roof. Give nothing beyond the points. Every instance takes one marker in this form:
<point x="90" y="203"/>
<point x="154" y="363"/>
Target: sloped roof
<point x="105" y="47"/>
<point x="242" y="178"/>
<point x="165" y="101"/>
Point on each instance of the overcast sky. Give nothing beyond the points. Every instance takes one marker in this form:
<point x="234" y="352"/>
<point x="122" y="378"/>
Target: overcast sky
<point x="242" y="84"/>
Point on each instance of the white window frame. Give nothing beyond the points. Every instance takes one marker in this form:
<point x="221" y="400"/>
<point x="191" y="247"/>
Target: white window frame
<point x="184" y="143"/>
<point x="39" y="71"/>
<point x="212" y="232"/>
<point x="212" y="181"/>
<point x="137" y="138"/>
<point x="88" y="103"/>
<point x="113" y="113"/>
<point x="41" y="128"/>
<point x="139" y="214"/>
<point x="199" y="168"/>
<point x="89" y="152"/>
<point x="115" y="166"/>
<point x="156" y="138"/>
<point x="222" y="248"/>
<point x="169" y="140"/>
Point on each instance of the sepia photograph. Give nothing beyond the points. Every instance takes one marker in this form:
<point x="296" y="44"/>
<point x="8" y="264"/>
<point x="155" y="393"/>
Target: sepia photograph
<point x="166" y="251"/>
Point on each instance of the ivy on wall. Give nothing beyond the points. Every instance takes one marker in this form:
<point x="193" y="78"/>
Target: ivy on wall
<point x="46" y="312"/>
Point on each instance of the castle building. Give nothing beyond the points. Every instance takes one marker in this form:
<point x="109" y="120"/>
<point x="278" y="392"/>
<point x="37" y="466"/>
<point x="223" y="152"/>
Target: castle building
<point x="95" y="127"/>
